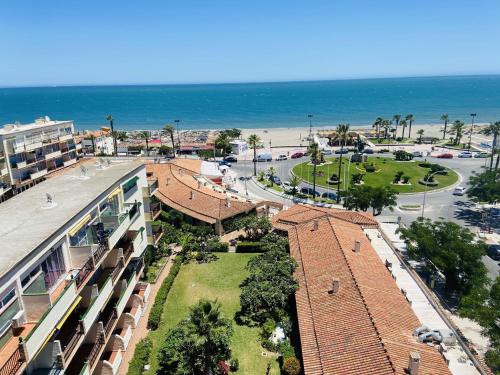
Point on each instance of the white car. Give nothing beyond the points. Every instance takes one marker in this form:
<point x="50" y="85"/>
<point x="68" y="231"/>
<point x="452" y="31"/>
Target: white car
<point x="286" y="185"/>
<point x="327" y="152"/>
<point x="459" y="190"/>
<point x="282" y="157"/>
<point x="465" y="154"/>
<point x="417" y="154"/>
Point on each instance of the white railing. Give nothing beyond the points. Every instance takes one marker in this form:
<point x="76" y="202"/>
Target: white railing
<point x="137" y="316"/>
<point x="126" y="294"/>
<point x="3" y="171"/>
<point x="65" y="137"/>
<point x="69" y="162"/>
<point x="147" y="291"/>
<point x="116" y="364"/>
<point x="98" y="303"/>
<point x="127" y="337"/>
<point x="139" y="243"/>
<point x="119" y="231"/>
<point x="48" y="321"/>
<point x="38" y="174"/>
<point x="33" y="146"/>
<point x="21" y="164"/>
<point x="52" y="155"/>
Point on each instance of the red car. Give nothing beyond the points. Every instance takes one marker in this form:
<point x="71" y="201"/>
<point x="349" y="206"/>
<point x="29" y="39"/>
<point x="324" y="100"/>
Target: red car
<point x="297" y="155"/>
<point x="445" y="156"/>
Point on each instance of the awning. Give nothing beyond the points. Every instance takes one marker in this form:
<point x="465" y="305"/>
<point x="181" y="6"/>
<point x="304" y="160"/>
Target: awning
<point x="68" y="313"/>
<point x="79" y="225"/>
<point x="117" y="191"/>
<point x="128" y="185"/>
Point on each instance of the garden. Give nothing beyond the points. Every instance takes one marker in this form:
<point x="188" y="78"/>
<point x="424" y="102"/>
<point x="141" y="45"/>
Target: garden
<point x="404" y="176"/>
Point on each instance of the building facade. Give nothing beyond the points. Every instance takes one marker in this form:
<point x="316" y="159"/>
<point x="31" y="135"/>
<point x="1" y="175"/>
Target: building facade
<point x="71" y="294"/>
<point x="31" y="151"/>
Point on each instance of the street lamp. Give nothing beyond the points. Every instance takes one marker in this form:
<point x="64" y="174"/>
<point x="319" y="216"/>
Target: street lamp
<point x="472" y="115"/>
<point x="425" y="191"/>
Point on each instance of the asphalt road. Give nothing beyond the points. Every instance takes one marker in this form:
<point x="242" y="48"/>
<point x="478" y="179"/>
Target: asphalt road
<point x="439" y="205"/>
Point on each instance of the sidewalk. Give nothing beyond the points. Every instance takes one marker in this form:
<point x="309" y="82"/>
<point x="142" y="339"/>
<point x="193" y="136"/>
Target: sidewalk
<point x="141" y="330"/>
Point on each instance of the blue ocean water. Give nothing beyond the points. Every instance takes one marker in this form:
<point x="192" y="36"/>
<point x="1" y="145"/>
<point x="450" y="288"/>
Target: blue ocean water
<point x="258" y="105"/>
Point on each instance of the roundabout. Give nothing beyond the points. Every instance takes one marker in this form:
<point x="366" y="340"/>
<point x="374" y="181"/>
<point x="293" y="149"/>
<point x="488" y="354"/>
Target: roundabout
<point x="380" y="171"/>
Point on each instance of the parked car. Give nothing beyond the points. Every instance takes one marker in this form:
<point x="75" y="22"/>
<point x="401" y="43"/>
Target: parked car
<point x="465" y="154"/>
<point x="224" y="162"/>
<point x="276" y="180"/>
<point x="482" y="155"/>
<point x="446" y="155"/>
<point x="327" y="152"/>
<point x="297" y="155"/>
<point x="231" y="158"/>
<point x="329" y="195"/>
<point x="342" y="151"/>
<point x="286" y="185"/>
<point x="309" y="191"/>
<point x="417" y="154"/>
<point x="459" y="190"/>
<point x="367" y="151"/>
<point x="282" y="157"/>
<point x="494" y="251"/>
<point x="267" y="156"/>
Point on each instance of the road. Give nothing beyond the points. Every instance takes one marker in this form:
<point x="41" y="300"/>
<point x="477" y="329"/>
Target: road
<point x="439" y="205"/>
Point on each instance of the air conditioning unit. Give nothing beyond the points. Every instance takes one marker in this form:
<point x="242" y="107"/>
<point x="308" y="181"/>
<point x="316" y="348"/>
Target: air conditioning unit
<point x="18" y="320"/>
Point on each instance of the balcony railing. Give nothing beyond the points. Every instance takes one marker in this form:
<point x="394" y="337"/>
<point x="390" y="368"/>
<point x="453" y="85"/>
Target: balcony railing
<point x="108" y="325"/>
<point x="154" y="209"/>
<point x="157" y="233"/>
<point x="13" y="364"/>
<point x="38" y="174"/>
<point x="94" y="353"/>
<point x="52" y="155"/>
<point x="90" y="264"/>
<point x="152" y="186"/>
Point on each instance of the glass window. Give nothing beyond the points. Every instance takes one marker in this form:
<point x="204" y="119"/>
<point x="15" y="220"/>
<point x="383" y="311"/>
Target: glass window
<point x="45" y="275"/>
<point x="8" y="313"/>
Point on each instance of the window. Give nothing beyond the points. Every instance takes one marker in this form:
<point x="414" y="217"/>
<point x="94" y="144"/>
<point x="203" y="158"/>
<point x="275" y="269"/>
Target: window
<point x="9" y="306"/>
<point x="130" y="184"/>
<point x="83" y="237"/>
<point x="46" y="274"/>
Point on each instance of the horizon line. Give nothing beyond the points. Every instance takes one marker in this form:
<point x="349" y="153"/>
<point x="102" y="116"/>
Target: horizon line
<point x="248" y="82"/>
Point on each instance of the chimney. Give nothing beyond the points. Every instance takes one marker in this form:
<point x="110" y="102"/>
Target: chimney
<point x="414" y="363"/>
<point x="335" y="285"/>
<point x="191" y="195"/>
<point x="357" y="246"/>
<point x="315" y="225"/>
<point x="228" y="202"/>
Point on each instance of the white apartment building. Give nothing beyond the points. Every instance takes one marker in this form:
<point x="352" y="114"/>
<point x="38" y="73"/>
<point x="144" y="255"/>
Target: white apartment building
<point x="70" y="269"/>
<point x="98" y="143"/>
<point x="31" y="151"/>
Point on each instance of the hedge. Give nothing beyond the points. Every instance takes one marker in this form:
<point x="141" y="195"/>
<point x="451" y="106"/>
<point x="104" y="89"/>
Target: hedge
<point x="249" y="247"/>
<point x="141" y="357"/>
<point x="154" y="318"/>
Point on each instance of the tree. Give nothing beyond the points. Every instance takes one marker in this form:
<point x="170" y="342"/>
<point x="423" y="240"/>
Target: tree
<point x="386" y="124"/>
<point x="342" y="131"/>
<point x="272" y="172"/>
<point x="493" y="129"/>
<point x="458" y="130"/>
<point x="377" y="125"/>
<point x="450" y="249"/>
<point x="291" y="366"/>
<point x="169" y="131"/>
<point x="420" y="132"/>
<point x="401" y="155"/>
<point x="254" y="141"/>
<point x="316" y="158"/>
<point x="403" y="123"/>
<point x="410" y="118"/>
<point x="113" y="134"/>
<point x="233" y="133"/>
<point x="484" y="187"/>
<point x="295" y="181"/>
<point x="361" y="198"/>
<point x="396" y="118"/>
<point x="222" y="142"/>
<point x="197" y="344"/>
<point x="145" y="134"/>
<point x="445" y="118"/>
<point x="92" y="140"/>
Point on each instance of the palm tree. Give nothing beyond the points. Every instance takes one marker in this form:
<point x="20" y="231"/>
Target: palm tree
<point x="396" y="118"/>
<point x="316" y="158"/>
<point x="386" y="124"/>
<point x="410" y="119"/>
<point x="420" y="132"/>
<point x="92" y="139"/>
<point x="458" y="130"/>
<point x="377" y="124"/>
<point x="342" y="130"/>
<point x="222" y="142"/>
<point x="445" y="118"/>
<point x="494" y="130"/>
<point x="295" y="181"/>
<point x="145" y="134"/>
<point x="169" y="130"/>
<point x="403" y="124"/>
<point x="113" y="134"/>
<point x="253" y="141"/>
<point x="271" y="171"/>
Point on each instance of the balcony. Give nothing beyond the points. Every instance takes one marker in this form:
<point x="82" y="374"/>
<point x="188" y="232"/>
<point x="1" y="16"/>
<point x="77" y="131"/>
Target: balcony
<point x="122" y="337"/>
<point x="117" y="223"/>
<point x="21" y="164"/>
<point x="156" y="234"/>
<point x="152" y="186"/>
<point x="38" y="174"/>
<point x="78" y="147"/>
<point x="110" y="362"/>
<point x="103" y="293"/>
<point x="125" y="295"/>
<point x="154" y="210"/>
<point x="143" y="290"/>
<point x="86" y="259"/>
<point x="32" y="146"/>
<point x="4" y="172"/>
<point x="52" y="155"/>
<point x="65" y="137"/>
<point x="67" y="163"/>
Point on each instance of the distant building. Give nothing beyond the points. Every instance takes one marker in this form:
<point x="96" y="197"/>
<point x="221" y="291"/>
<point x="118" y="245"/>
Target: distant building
<point x="238" y="146"/>
<point x="29" y="152"/>
<point x="98" y="143"/>
<point x="71" y="260"/>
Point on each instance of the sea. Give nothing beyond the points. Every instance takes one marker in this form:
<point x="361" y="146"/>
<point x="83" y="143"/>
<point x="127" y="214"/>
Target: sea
<point x="258" y="105"/>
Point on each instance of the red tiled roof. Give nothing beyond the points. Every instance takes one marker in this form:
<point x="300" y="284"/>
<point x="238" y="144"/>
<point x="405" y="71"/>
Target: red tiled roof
<point x="180" y="190"/>
<point x="364" y="328"/>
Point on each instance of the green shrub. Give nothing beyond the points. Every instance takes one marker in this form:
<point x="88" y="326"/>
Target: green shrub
<point x="406" y="179"/>
<point x="154" y="318"/>
<point x="286" y="350"/>
<point x="425" y="164"/>
<point x="369" y="167"/>
<point x="291" y="366"/>
<point x="249" y="247"/>
<point x="234" y="364"/>
<point x="215" y="246"/>
<point x="141" y="357"/>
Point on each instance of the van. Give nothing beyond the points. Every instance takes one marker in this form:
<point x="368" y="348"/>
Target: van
<point x="265" y="157"/>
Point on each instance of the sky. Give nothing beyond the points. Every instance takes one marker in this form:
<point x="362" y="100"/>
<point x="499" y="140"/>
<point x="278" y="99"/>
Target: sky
<point x="155" y="42"/>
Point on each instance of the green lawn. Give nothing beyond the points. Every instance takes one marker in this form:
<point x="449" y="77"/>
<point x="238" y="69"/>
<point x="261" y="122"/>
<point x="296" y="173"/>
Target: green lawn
<point x="385" y="168"/>
<point x="216" y="280"/>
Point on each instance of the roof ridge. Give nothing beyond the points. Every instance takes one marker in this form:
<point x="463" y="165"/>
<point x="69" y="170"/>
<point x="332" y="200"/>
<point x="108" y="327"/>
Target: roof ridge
<point x="370" y="316"/>
<point x="190" y="187"/>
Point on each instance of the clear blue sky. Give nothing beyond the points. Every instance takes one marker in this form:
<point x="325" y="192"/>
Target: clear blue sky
<point x="110" y="42"/>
